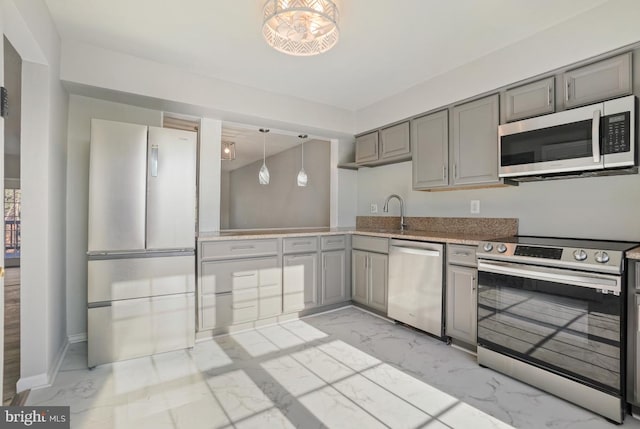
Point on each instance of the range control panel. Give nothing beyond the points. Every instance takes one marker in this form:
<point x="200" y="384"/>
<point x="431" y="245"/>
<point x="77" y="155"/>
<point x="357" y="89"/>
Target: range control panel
<point x="616" y="129"/>
<point x="609" y="261"/>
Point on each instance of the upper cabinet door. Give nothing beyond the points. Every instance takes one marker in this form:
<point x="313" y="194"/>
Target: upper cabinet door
<point x="475" y="141"/>
<point x="430" y="160"/>
<point x="599" y="81"/>
<point x="367" y="148"/>
<point x="395" y="142"/>
<point x="533" y="99"/>
<point x="117" y="186"/>
<point x="171" y="198"/>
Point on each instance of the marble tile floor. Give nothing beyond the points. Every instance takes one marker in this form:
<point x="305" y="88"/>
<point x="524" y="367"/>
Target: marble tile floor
<point x="342" y="369"/>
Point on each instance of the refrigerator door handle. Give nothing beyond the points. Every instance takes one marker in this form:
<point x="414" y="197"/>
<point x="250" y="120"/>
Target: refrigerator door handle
<point x="154" y="160"/>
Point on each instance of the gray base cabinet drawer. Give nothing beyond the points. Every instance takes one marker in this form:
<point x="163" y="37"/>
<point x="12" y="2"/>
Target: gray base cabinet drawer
<point x="300" y="244"/>
<point x="372" y="244"/>
<point x="461" y="255"/>
<point x="333" y="242"/>
<point x="227" y="276"/>
<point x="238" y="248"/>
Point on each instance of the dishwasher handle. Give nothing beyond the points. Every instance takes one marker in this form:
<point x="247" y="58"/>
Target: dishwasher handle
<point x="415" y="251"/>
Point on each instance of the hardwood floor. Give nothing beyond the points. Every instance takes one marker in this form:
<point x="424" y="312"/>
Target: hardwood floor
<point x="11" y="333"/>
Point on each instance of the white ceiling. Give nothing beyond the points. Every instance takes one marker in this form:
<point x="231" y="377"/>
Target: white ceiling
<point x="385" y="46"/>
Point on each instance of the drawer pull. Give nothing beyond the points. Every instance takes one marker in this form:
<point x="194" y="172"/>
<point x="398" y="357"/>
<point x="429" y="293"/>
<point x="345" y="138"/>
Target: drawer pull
<point x="458" y="253"/>
<point x="237" y="275"/>
<point x="339" y="240"/>
<point x="242" y="247"/>
<point x="302" y="243"/>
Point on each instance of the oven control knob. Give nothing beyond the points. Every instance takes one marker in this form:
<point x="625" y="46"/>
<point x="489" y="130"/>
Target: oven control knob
<point x="602" y="257"/>
<point x="502" y="248"/>
<point x="488" y="247"/>
<point x="580" y="255"/>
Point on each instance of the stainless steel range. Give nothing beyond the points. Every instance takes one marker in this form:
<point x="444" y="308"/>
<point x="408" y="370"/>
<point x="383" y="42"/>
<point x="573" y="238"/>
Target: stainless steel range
<point x="551" y="312"/>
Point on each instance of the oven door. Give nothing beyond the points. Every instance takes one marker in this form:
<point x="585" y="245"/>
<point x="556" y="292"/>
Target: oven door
<point x="560" y="142"/>
<point x="564" y="321"/>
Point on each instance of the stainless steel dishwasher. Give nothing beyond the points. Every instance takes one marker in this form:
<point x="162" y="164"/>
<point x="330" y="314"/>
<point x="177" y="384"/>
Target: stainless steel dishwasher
<point x="415" y="284"/>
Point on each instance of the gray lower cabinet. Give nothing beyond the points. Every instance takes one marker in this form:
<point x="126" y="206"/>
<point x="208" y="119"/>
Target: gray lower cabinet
<point x="300" y="282"/>
<point x="474" y="142"/>
<point x="430" y="145"/>
<point x="533" y="99"/>
<point x="239" y="281"/>
<point x="300" y="273"/>
<point x="369" y="273"/>
<point x="599" y="81"/>
<point x="367" y="148"/>
<point x="334" y="282"/>
<point x="238" y="291"/>
<point x="461" y="297"/>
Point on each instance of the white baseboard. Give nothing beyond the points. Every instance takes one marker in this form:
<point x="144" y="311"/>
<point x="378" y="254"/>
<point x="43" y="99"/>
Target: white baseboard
<point x="40" y="381"/>
<point x="33" y="382"/>
<point x="77" y="338"/>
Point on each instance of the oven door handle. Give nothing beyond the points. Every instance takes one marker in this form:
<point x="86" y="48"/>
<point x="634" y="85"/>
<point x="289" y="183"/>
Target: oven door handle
<point x="606" y="283"/>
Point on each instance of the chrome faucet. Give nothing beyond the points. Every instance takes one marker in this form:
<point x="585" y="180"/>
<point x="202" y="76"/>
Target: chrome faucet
<point x="386" y="209"/>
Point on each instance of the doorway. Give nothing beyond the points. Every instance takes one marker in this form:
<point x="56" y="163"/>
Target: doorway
<point x="12" y="234"/>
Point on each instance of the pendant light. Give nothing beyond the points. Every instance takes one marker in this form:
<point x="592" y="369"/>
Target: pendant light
<point x="302" y="175"/>
<point x="263" y="176"/>
<point x="228" y="151"/>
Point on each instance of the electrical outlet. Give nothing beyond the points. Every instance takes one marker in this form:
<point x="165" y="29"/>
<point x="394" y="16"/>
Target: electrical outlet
<point x="374" y="208"/>
<point x="475" y="206"/>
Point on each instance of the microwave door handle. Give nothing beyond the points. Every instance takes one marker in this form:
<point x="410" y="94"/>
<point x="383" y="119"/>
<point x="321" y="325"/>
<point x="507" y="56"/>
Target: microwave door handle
<point x="595" y="136"/>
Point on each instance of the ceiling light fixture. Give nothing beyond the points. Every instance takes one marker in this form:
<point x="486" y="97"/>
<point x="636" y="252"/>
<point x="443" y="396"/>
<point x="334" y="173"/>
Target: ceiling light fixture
<point x="263" y="175"/>
<point x="300" y="27"/>
<point x="302" y="175"/>
<point x="228" y="151"/>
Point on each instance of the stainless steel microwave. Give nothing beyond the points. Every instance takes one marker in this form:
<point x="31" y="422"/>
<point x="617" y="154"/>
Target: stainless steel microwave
<point x="595" y="137"/>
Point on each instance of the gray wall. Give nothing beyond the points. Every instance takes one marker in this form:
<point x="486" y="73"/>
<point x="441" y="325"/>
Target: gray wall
<point x="13" y="83"/>
<point x="282" y="204"/>
<point x="597" y="207"/>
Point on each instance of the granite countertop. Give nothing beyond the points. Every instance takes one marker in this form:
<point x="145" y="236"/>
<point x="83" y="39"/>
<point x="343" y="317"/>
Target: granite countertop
<point x="418" y="235"/>
<point x="634" y="253"/>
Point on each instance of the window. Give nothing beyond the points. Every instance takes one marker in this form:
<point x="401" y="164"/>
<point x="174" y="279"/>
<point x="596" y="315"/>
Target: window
<point x="12" y="199"/>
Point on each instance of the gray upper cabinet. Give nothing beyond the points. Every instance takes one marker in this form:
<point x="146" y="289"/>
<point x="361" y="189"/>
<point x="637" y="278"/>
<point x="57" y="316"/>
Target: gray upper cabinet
<point x="395" y="142"/>
<point x="474" y="142"/>
<point x="599" y="81"/>
<point x="533" y="99"/>
<point x="367" y="148"/>
<point x="430" y="142"/>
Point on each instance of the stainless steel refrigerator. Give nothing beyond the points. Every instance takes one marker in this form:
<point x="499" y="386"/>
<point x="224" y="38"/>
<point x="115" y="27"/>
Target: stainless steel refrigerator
<point x="141" y="268"/>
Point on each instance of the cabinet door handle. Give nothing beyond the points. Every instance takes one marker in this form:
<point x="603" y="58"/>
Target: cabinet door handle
<point x="567" y="85"/>
<point x="455" y="170"/>
<point x="444" y="172"/>
<point x="549" y="97"/>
